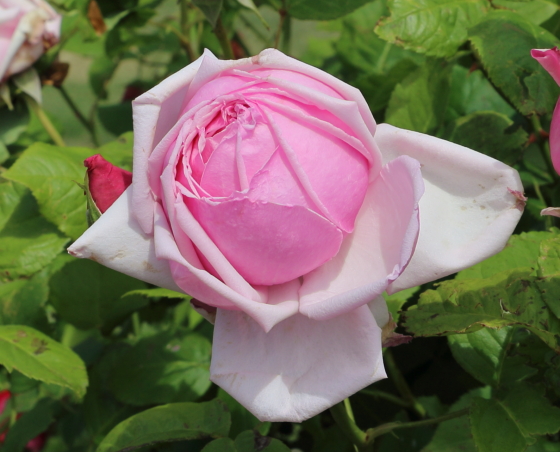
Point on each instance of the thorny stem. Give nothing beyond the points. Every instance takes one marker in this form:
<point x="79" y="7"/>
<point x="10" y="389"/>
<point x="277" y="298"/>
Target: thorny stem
<point x="45" y="121"/>
<point x="221" y="34"/>
<point x="402" y="386"/>
<point x="88" y="125"/>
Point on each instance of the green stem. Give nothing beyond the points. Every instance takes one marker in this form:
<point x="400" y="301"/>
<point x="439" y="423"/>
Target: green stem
<point x="373" y="433"/>
<point x="383" y="57"/>
<point x="342" y="414"/>
<point x="45" y="121"/>
<point x="543" y="145"/>
<point x="185" y="28"/>
<point x="547" y="218"/>
<point x="385" y="395"/>
<point x="88" y="125"/>
<point x="222" y="36"/>
<point x="402" y="386"/>
<point x="136" y="324"/>
<point x="282" y="13"/>
<point x="287" y="33"/>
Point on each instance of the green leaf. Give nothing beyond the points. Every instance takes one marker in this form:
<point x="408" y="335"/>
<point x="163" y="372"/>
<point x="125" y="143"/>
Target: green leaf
<point x="324" y="10"/>
<point x="29" y="82"/>
<point x="503" y="43"/>
<point x="39" y="357"/>
<point x="27" y="241"/>
<point x="549" y="273"/>
<point x="51" y="172"/>
<point x="13" y="122"/>
<point x="119" y="152"/>
<point x="88" y="295"/>
<point x="533" y="413"/>
<point x="252" y="441"/>
<point x="21" y="301"/>
<point x="166" y="423"/>
<point x="100" y="73"/>
<point x="220" y="445"/>
<point x="471" y="91"/>
<point x="507" y="298"/>
<point x="493" y="429"/>
<point x="521" y="251"/>
<point x="241" y="418"/>
<point x="419" y="101"/>
<point x="163" y="368"/>
<point x="537" y="11"/>
<point x="491" y="133"/>
<point x="116" y="118"/>
<point x="210" y="8"/>
<point x="30" y="425"/>
<point x="251" y="5"/>
<point x="434" y="27"/>
<point x="455" y="434"/>
<point x="484" y="354"/>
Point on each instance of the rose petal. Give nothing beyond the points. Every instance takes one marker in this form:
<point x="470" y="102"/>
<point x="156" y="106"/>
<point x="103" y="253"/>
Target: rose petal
<point x="117" y="241"/>
<point x="299" y="368"/>
<point x="154" y="113"/>
<point x="376" y="252"/>
<point x="466" y="214"/>
<point x="550" y="60"/>
<point x="268" y="243"/>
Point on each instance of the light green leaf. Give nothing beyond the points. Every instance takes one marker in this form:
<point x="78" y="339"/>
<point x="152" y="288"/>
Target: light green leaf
<point x="549" y="273"/>
<point x="51" y="173"/>
<point x="537" y="11"/>
<point x="29" y="82"/>
<point x="418" y="103"/>
<point x="493" y="429"/>
<point x="27" y="241"/>
<point x="39" y="357"/>
<point x="251" y="5"/>
<point x="119" y="152"/>
<point x="88" y="295"/>
<point x="158" y="292"/>
<point x="210" y="8"/>
<point x="323" y="10"/>
<point x="503" y="43"/>
<point x="166" y="423"/>
<point x="434" y="27"/>
<point x="162" y="369"/>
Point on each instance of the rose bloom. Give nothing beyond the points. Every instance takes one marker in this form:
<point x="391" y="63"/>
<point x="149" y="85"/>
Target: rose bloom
<point x="27" y="29"/>
<point x="264" y="188"/>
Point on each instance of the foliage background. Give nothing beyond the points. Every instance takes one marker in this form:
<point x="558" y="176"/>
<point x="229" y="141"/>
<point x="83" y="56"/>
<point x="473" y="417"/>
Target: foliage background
<point x="102" y="362"/>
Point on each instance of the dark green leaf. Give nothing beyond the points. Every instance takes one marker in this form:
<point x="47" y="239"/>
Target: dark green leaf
<point x="117" y="118"/>
<point x="13" y="122"/>
<point x="419" y="101"/>
<point x="166" y="423"/>
<point x="241" y="418"/>
<point x="491" y="133"/>
<point x="493" y="429"/>
<point x="220" y="445"/>
<point x="88" y="295"/>
<point x="484" y="354"/>
<point x="252" y="441"/>
<point x="433" y="27"/>
<point x="163" y="368"/>
<point x="324" y="10"/>
<point x="100" y="72"/>
<point x="30" y="425"/>
<point x="38" y="356"/>
<point x="503" y="42"/>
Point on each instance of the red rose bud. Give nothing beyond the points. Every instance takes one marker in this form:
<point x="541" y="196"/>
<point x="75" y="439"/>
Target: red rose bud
<point x="105" y="182"/>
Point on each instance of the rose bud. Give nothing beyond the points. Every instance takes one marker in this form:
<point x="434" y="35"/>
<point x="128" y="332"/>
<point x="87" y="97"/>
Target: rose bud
<point x="104" y="183"/>
<point x="264" y="188"/>
<point x="28" y="28"/>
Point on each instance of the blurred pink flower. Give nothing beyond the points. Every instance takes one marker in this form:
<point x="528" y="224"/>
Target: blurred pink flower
<point x="27" y="29"/>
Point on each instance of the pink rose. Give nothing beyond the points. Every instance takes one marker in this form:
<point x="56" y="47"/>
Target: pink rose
<point x="27" y="29"/>
<point x="263" y="188"/>
<point x="550" y="60"/>
<point x="106" y="182"/>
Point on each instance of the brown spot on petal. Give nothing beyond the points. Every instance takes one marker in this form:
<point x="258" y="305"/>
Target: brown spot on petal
<point x="149" y="267"/>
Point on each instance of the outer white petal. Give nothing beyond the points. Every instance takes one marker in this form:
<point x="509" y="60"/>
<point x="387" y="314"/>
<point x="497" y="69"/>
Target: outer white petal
<point x="117" y="241"/>
<point x="467" y="212"/>
<point x="300" y="367"/>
